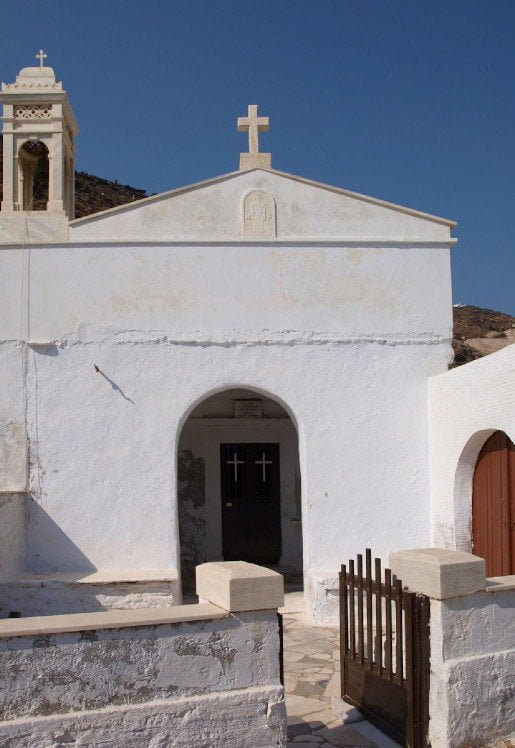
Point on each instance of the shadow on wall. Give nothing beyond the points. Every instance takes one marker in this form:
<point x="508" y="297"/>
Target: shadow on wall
<point x="55" y="578"/>
<point x="191" y="490"/>
<point x="49" y="549"/>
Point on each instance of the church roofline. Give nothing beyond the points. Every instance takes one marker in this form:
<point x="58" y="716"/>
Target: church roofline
<point x="232" y="174"/>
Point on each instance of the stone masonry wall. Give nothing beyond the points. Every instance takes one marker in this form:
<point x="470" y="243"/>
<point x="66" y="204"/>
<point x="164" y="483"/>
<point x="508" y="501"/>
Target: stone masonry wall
<point x="472" y="696"/>
<point x="155" y="680"/>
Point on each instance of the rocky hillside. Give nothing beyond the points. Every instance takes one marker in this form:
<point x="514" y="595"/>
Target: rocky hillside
<point x="477" y="332"/>
<point x="92" y="194"/>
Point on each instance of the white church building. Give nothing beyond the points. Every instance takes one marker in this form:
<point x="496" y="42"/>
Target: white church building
<point x="253" y="367"/>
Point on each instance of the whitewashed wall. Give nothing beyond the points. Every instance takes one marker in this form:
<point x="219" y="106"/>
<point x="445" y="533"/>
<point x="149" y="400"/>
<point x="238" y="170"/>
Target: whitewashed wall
<point x="343" y="333"/>
<point x="103" y="477"/>
<point x="466" y="405"/>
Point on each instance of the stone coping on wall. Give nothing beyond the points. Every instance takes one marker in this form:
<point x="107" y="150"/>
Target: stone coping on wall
<point x="109" y="576"/>
<point x="109" y="619"/>
<point x="500" y="584"/>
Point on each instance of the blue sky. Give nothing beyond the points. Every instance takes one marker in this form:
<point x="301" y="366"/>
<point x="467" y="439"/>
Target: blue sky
<point x="409" y="101"/>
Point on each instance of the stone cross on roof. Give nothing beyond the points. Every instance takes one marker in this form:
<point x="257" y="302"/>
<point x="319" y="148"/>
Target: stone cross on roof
<point x="41" y="56"/>
<point x="253" y="124"/>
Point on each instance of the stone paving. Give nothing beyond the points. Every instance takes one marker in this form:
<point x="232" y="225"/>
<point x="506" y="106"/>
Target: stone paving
<point x="312" y="679"/>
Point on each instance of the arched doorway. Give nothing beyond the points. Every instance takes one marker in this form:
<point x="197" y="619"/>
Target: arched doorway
<point x="239" y="490"/>
<point x="34" y="175"/>
<point x="493" y="505"/>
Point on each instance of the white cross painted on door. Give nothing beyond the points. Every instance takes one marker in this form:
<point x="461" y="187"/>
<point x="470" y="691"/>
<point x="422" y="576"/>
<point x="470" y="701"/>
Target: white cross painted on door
<point x="235" y="462"/>
<point x="264" y="463"/>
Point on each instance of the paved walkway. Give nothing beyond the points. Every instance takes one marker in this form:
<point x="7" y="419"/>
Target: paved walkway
<point x="312" y="678"/>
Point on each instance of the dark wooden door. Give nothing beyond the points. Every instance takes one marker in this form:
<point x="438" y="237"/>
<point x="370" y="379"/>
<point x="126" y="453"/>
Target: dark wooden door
<point x="251" y="502"/>
<point x="493" y="505"/>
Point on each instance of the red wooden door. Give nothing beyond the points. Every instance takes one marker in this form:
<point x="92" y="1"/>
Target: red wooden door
<point x="493" y="505"/>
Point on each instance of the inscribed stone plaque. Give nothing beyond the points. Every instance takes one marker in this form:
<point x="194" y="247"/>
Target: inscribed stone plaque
<point x="248" y="408"/>
<point x="259" y="215"/>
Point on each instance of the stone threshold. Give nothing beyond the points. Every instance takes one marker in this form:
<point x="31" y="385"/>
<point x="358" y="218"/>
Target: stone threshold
<point x="109" y="619"/>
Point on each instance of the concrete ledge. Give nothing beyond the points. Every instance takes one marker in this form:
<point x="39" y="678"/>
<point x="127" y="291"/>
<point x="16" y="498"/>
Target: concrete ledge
<point x="439" y="573"/>
<point x="500" y="584"/>
<point x="110" y="619"/>
<point x="106" y="576"/>
<point x="239" y="586"/>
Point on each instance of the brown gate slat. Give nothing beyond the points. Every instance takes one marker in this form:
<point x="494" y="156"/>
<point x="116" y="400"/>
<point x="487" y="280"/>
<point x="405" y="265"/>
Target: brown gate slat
<point x="395" y="699"/>
<point x="379" y="619"/>
<point x="411" y="716"/>
<point x="361" y="637"/>
<point x="398" y="632"/>
<point x="368" y="567"/>
<point x="343" y="626"/>
<point x="388" y="623"/>
<point x="423" y="653"/>
<point x="352" y="617"/>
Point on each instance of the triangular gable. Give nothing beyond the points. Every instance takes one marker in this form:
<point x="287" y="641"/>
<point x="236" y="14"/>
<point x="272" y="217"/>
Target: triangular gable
<point x="260" y="204"/>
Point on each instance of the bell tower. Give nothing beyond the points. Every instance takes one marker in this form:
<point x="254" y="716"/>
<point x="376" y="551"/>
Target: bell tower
<point x="39" y="155"/>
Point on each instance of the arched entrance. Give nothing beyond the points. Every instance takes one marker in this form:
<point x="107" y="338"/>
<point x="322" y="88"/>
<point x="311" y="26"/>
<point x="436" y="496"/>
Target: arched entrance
<point x="493" y="505"/>
<point x="34" y="175"/>
<point x="239" y="484"/>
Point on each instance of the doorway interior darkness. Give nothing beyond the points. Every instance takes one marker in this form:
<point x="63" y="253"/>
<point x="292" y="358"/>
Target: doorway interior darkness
<point x="263" y="524"/>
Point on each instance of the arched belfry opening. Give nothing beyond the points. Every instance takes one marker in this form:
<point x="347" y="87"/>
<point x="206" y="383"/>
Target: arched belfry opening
<point x="33" y="175"/>
<point x="239" y="485"/>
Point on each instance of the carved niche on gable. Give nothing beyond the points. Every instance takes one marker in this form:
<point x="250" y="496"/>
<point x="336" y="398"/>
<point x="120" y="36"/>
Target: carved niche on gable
<point x="259" y="215"/>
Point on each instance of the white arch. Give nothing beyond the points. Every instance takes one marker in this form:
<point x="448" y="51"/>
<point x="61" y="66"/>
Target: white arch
<point x="27" y="167"/>
<point x="235" y="386"/>
<point x="258" y="390"/>
<point x="463" y="484"/>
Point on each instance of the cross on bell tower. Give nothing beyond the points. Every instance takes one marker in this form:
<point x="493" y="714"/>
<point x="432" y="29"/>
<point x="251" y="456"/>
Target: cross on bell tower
<point x="41" y="56"/>
<point x="253" y="124"/>
<point x="39" y="154"/>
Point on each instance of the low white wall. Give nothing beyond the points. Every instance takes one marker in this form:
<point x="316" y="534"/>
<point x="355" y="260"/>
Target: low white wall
<point x="39" y="595"/>
<point x="472" y="693"/>
<point x="189" y="675"/>
<point x="466" y="405"/>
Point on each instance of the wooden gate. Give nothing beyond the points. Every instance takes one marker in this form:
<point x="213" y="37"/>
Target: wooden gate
<point x="384" y="641"/>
